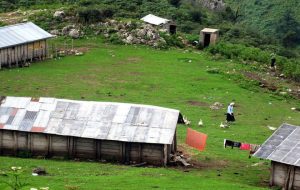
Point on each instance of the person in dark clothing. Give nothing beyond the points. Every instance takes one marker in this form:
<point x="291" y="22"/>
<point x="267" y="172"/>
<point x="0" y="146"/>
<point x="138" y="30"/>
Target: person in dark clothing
<point x="230" y="115"/>
<point x="273" y="61"/>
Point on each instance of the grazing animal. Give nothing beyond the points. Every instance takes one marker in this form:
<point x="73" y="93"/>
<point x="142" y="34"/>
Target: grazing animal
<point x="200" y="123"/>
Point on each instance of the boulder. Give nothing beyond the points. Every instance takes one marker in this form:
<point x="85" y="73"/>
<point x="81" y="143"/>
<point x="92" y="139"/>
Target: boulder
<point x="74" y="33"/>
<point x="59" y="14"/>
<point x="55" y="32"/>
<point x="129" y="39"/>
<point x="67" y="29"/>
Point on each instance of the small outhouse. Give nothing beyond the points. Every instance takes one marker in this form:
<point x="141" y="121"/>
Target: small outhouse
<point x="209" y="36"/>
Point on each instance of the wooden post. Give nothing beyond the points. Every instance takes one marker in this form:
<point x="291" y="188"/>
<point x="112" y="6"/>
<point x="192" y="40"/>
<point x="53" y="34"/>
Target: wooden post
<point x="32" y="55"/>
<point x="175" y="141"/>
<point x="292" y="178"/>
<point x="140" y="153"/>
<point x="71" y="147"/>
<point x="0" y="59"/>
<point x="15" y="142"/>
<point x="98" y="149"/>
<point x="29" y="146"/>
<point x="46" y="50"/>
<point x="272" y="174"/>
<point x="1" y="142"/>
<point x="72" y="45"/>
<point x="165" y="155"/>
<point x="8" y="59"/>
<point x="49" y="149"/>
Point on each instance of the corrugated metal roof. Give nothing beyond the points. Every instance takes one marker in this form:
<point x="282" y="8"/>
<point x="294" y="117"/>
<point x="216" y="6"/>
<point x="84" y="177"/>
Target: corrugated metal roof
<point x="155" y="20"/>
<point x="209" y="30"/>
<point x="89" y="119"/>
<point x="283" y="146"/>
<point x="20" y="34"/>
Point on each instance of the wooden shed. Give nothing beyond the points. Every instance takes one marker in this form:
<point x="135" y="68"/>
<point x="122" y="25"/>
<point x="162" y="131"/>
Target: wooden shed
<point x="283" y="149"/>
<point x="21" y="43"/>
<point x="208" y="36"/>
<point x="168" y="25"/>
<point x="126" y="133"/>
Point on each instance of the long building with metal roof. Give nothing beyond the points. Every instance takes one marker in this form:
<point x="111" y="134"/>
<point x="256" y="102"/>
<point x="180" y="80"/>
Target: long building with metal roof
<point x="121" y="124"/>
<point x="22" y="42"/>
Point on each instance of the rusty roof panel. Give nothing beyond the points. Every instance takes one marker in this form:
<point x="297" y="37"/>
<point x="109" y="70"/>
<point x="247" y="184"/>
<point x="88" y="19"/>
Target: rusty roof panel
<point x="89" y="119"/>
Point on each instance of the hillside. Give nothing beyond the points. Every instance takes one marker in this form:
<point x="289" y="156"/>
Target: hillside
<point x="263" y="15"/>
<point x="186" y="80"/>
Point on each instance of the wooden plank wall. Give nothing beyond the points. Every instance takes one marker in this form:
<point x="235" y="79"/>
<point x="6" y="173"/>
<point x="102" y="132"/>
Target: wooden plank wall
<point x="18" y="55"/>
<point x="285" y="176"/>
<point x="38" y="144"/>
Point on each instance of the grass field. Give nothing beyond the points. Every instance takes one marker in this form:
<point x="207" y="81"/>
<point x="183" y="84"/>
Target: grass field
<point x="175" y="79"/>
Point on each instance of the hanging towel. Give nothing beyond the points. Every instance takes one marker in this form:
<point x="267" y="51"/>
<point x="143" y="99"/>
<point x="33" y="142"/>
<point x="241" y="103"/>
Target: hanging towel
<point x="196" y="139"/>
<point x="231" y="143"/>
<point x="245" y="146"/>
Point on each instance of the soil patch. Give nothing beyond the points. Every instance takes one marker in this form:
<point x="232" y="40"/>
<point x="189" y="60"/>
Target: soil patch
<point x="199" y="164"/>
<point x="262" y="82"/>
<point x="197" y="103"/>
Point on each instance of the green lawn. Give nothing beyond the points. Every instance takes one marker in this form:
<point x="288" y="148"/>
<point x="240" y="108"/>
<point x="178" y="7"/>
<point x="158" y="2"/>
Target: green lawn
<point x="163" y="78"/>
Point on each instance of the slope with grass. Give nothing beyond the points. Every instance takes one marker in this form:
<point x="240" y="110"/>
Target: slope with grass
<point x="179" y="79"/>
<point x="263" y="15"/>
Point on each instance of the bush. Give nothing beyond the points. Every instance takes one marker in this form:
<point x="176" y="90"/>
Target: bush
<point x="291" y="68"/>
<point x="115" y="39"/>
<point x="172" y="40"/>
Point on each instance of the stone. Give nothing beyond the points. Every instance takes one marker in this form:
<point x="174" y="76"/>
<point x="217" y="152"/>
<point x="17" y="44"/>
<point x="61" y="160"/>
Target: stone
<point x="39" y="171"/>
<point x="129" y="39"/>
<point x="55" y="32"/>
<point x="59" y="14"/>
<point x="74" y="33"/>
<point x="65" y="31"/>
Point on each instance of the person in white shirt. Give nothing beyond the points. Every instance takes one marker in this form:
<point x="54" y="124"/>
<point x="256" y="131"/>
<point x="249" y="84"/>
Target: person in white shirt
<point x="230" y="115"/>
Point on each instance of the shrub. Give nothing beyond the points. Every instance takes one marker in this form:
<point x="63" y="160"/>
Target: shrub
<point x="291" y="68"/>
<point x="115" y="39"/>
<point x="172" y="40"/>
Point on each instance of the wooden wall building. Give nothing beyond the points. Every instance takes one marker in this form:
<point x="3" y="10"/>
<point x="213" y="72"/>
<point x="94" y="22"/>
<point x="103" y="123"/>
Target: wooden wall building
<point x="22" y="43"/>
<point x="126" y="133"/>
<point x="283" y="149"/>
<point x="161" y="23"/>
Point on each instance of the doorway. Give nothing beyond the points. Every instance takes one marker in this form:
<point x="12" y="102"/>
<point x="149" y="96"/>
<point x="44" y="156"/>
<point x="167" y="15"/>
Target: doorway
<point x="206" y="40"/>
<point x="172" y="29"/>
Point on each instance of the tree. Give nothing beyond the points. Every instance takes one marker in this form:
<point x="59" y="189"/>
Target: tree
<point x="175" y="3"/>
<point x="288" y="29"/>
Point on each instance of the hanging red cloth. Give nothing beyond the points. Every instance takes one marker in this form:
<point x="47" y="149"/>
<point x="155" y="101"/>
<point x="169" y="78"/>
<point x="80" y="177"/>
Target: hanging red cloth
<point x="245" y="146"/>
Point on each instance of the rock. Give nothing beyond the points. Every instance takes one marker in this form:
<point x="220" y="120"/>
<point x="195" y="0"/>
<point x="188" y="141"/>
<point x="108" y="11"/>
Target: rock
<point x="129" y="39"/>
<point x="141" y="32"/>
<point x="55" y="32"/>
<point x="216" y="106"/>
<point x="78" y="53"/>
<point x="59" y="14"/>
<point x="106" y="35"/>
<point x="65" y="31"/>
<point x="74" y="33"/>
<point x="282" y="93"/>
<point x="39" y="171"/>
